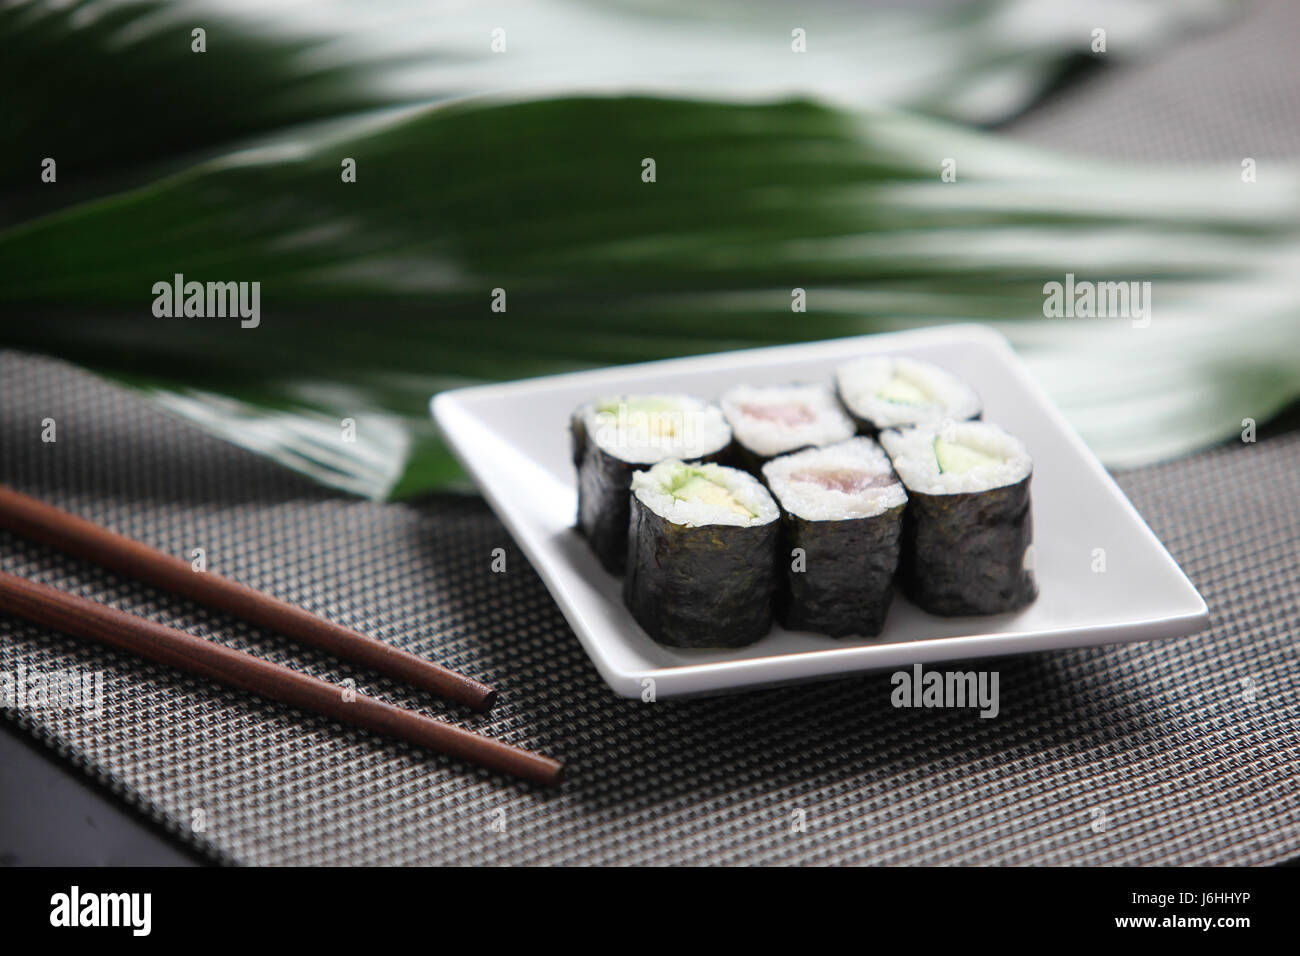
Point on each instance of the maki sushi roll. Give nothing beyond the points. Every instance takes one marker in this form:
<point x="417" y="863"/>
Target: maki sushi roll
<point x="701" y="567"/>
<point x="842" y="507"/>
<point x="614" y="437"/>
<point x="968" y="528"/>
<point x="773" y="420"/>
<point x="883" y="392"/>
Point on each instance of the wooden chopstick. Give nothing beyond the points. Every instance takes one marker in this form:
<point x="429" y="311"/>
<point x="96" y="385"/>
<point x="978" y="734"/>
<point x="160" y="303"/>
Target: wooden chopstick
<point x="38" y="521"/>
<point x="97" y="622"/>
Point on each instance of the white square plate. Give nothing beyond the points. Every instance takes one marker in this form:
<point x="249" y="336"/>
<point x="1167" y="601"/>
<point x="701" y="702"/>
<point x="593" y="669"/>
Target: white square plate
<point x="514" y="440"/>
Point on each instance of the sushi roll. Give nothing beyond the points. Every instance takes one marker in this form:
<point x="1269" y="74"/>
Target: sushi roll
<point x="968" y="528"/>
<point x="701" y="566"/>
<point x="882" y="392"/>
<point x="614" y="437"/>
<point x="773" y="420"/>
<point x="842" y="506"/>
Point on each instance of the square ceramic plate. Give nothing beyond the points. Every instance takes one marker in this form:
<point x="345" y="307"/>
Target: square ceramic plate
<point x="514" y="440"/>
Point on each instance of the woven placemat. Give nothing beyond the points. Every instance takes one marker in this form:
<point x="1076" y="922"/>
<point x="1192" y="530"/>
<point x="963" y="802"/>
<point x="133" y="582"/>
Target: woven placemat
<point x="1214" y="97"/>
<point x="1175" y="752"/>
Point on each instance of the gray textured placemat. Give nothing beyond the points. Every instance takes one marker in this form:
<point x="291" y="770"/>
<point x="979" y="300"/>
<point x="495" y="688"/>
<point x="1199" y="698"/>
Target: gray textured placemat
<point x="1217" y="96"/>
<point x="1188" y="747"/>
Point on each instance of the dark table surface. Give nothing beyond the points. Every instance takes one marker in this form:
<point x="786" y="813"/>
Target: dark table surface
<point x="54" y="815"/>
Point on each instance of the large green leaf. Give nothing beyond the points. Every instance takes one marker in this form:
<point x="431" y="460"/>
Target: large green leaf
<point x="114" y="91"/>
<point x="377" y="293"/>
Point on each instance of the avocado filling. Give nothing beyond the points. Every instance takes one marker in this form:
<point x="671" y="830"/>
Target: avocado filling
<point x="696" y="486"/>
<point x="955" y="459"/>
<point x="658" y="416"/>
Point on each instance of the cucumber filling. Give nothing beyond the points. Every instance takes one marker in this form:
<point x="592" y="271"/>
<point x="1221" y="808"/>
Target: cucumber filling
<point x="612" y="406"/>
<point x="902" y="392"/>
<point x="955" y="459"/>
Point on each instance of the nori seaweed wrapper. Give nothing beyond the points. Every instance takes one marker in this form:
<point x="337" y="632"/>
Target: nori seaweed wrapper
<point x="604" y="493"/>
<point x="847" y="582"/>
<point x="740" y="455"/>
<point x="965" y="553"/>
<point x="578" y="429"/>
<point x="865" y="425"/>
<point x="706" y="586"/>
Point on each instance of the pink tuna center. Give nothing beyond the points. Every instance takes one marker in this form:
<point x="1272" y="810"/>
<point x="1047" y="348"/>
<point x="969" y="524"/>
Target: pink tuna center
<point x="843" y="479"/>
<point x="792" y="414"/>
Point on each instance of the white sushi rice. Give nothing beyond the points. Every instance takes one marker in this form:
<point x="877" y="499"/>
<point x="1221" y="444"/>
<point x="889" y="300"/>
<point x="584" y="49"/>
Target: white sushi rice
<point x="913" y="455"/>
<point x="652" y="489"/>
<point x="859" y="384"/>
<point x="766" y="437"/>
<point x="644" y="429"/>
<point x="792" y="479"/>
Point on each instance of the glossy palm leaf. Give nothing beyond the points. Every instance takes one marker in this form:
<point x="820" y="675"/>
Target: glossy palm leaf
<point x="376" y="293"/>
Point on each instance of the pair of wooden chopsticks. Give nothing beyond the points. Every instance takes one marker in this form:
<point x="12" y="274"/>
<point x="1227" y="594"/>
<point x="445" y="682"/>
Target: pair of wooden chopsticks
<point x="38" y="521"/>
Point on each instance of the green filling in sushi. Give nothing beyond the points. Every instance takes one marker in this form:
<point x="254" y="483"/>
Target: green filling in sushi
<point x="701" y="568"/>
<point x="616" y="435"/>
<point x="968" y="526"/>
<point x="881" y="392"/>
<point x="695" y="485"/>
<point x="902" y="392"/>
<point x="957" y="459"/>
